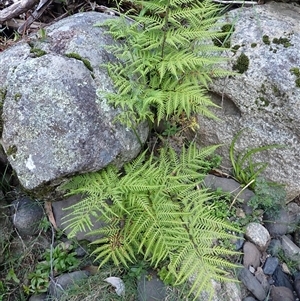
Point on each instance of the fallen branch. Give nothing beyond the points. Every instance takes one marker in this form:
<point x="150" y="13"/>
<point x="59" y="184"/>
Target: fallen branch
<point x="16" y="9"/>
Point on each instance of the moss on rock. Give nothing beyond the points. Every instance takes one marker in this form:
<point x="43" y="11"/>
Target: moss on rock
<point x="242" y="63"/>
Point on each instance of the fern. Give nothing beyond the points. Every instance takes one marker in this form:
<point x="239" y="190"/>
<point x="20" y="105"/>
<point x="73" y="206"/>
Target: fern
<point x="166" y="59"/>
<point x="156" y="210"/>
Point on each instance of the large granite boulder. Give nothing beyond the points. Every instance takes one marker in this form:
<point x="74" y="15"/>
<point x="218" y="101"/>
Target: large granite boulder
<point x="265" y="98"/>
<point x="55" y="124"/>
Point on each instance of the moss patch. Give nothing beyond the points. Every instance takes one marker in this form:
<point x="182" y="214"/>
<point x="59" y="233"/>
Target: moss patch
<point x="253" y="45"/>
<point x="296" y="71"/>
<point x="37" y="52"/>
<point x="11" y="150"/>
<point x="3" y="92"/>
<point x="282" y="41"/>
<point x="242" y="63"/>
<point x="76" y="56"/>
<point x="266" y="40"/>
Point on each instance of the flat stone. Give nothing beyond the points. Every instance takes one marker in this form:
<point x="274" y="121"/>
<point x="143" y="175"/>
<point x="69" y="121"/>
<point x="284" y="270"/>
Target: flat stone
<point x="231" y="186"/>
<point x="251" y="255"/>
<point x="270" y="265"/>
<point x="57" y="288"/>
<point x="252" y="284"/>
<point x="291" y="250"/>
<point x="62" y="208"/>
<point x="258" y="234"/>
<point x="281" y="279"/>
<point x="151" y="288"/>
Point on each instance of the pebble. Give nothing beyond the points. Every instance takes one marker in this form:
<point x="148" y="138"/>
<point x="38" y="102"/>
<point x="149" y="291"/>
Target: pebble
<point x="291" y="250"/>
<point x="57" y="288"/>
<point x="277" y="225"/>
<point x="281" y="279"/>
<point x="249" y="299"/>
<point x="258" y="234"/>
<point x="282" y="293"/>
<point x="27" y="215"/>
<point x="251" y="255"/>
<point x="252" y="284"/>
<point x="297" y="284"/>
<point x="270" y="265"/>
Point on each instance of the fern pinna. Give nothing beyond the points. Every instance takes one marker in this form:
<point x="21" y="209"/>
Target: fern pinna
<point x="156" y="208"/>
<point x="166" y="59"/>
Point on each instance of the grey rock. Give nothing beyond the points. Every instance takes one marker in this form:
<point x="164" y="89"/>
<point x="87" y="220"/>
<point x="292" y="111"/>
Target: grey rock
<point x="291" y="250"/>
<point x="231" y="186"/>
<point x="39" y="297"/>
<point x="55" y="123"/>
<point x="277" y="225"/>
<point x="251" y="255"/>
<point x="297" y="284"/>
<point x="252" y="284"/>
<point x="249" y="299"/>
<point x="258" y="234"/>
<point x="270" y="265"/>
<point x="282" y="293"/>
<point x="27" y="215"/>
<point x="281" y="279"/>
<point x="62" y="208"/>
<point x="293" y="211"/>
<point x="262" y="278"/>
<point x="274" y="247"/>
<point x="151" y="288"/>
<point x="65" y="281"/>
<point x="264" y="98"/>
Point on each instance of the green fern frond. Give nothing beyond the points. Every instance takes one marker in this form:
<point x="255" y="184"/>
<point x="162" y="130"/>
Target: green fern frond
<point x="156" y="210"/>
<point x="167" y="44"/>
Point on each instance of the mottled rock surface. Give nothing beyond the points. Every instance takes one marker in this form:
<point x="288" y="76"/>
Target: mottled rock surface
<point x="55" y="123"/>
<point x="265" y="98"/>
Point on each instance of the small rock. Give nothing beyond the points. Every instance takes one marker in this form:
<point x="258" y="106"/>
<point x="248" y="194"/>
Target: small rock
<point x="40" y="297"/>
<point x="64" y="281"/>
<point x="277" y="225"/>
<point x="282" y="293"/>
<point x="270" y="265"/>
<point x="258" y="234"/>
<point x="297" y="284"/>
<point x="152" y="289"/>
<point x="291" y="250"/>
<point x="249" y="299"/>
<point x="27" y="215"/>
<point x="281" y="279"/>
<point x="293" y="211"/>
<point x="262" y="278"/>
<point x="251" y="255"/>
<point x="252" y="284"/>
<point x="274" y="247"/>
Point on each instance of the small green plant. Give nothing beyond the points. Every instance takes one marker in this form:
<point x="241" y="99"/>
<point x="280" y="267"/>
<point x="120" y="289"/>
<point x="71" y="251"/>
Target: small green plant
<point x="156" y="210"/>
<point x="269" y="197"/>
<point x="165" y="59"/>
<point x="56" y="261"/>
<point x="245" y="170"/>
